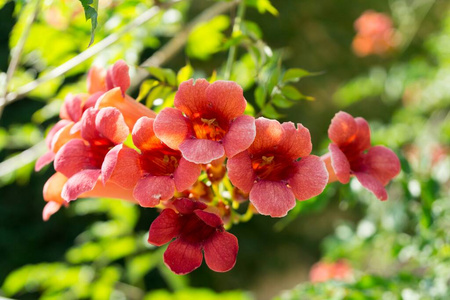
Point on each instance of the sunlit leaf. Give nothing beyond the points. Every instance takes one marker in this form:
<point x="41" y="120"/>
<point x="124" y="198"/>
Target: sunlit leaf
<point x="185" y="73"/>
<point x="207" y="38"/>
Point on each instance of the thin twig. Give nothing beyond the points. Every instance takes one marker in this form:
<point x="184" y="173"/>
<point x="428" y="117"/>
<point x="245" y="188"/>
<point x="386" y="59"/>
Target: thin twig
<point x="24" y="158"/>
<point x="83" y="56"/>
<point x="17" y="52"/>
<point x="233" y="48"/>
<point x="164" y="54"/>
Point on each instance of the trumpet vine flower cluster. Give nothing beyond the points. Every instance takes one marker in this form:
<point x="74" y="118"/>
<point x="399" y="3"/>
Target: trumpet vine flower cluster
<point x="199" y="162"/>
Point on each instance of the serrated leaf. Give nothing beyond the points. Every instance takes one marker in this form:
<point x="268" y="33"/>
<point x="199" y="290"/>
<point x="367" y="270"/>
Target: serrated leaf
<point x="185" y="73"/>
<point x="295" y="74"/>
<point x="260" y="96"/>
<point x="90" y="12"/>
<point x="280" y="101"/>
<point x="270" y="112"/>
<point x="291" y="92"/>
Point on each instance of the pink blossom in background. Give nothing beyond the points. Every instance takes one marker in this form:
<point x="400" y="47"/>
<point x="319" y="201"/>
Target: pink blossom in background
<point x="324" y="271"/>
<point x="352" y="154"/>
<point x="374" y="34"/>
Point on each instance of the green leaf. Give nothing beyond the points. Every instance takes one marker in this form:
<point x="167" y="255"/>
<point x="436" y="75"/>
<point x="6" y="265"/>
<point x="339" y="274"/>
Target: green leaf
<point x="291" y="92"/>
<point x="158" y="73"/>
<point x="170" y="76"/>
<point x="185" y="73"/>
<point x="263" y="6"/>
<point x="260" y="96"/>
<point x="91" y="13"/>
<point x="140" y="265"/>
<point x="207" y="38"/>
<point x="145" y="88"/>
<point x="295" y="74"/>
<point x="270" y="112"/>
<point x="280" y="101"/>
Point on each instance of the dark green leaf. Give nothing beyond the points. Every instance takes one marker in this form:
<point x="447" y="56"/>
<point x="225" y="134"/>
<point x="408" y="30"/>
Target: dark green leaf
<point x="291" y="92"/>
<point x="280" y="101"/>
<point x="294" y="75"/>
<point x="260" y="96"/>
<point x="91" y="13"/>
<point x="270" y="112"/>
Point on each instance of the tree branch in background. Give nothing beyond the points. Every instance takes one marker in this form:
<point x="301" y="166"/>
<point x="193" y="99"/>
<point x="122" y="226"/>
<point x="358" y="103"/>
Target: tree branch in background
<point x="164" y="54"/>
<point x="157" y="59"/>
<point x="17" y="52"/>
<point x="24" y="158"/>
<point x="83" y="56"/>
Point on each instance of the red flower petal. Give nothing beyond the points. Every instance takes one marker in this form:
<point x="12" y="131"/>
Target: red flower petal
<point x="187" y="206"/>
<point x="226" y="98"/>
<point x="186" y="174"/>
<point x="111" y="125"/>
<point x="296" y="142"/>
<point x="89" y="131"/>
<point x="182" y="257"/>
<point x="164" y="228"/>
<point x="201" y="151"/>
<point x="210" y="219"/>
<point x="117" y="76"/>
<point x="110" y="190"/>
<point x="121" y="166"/>
<point x="55" y="129"/>
<point x="44" y="160"/>
<point x="72" y="158"/>
<point x="342" y="129"/>
<point x="221" y="251"/>
<point x="191" y="98"/>
<point x="130" y="108"/>
<point x="171" y="127"/>
<point x="272" y="198"/>
<point x="362" y="138"/>
<point x="310" y="179"/>
<point x="73" y="107"/>
<point x="50" y="209"/>
<point x="240" y="136"/>
<point x="96" y="80"/>
<point x="80" y="183"/>
<point x="340" y="163"/>
<point x="240" y="171"/>
<point x="64" y="135"/>
<point x="53" y="188"/>
<point x="382" y="163"/>
<point x="268" y="135"/>
<point x="372" y="184"/>
<point x="151" y="190"/>
<point x="144" y="136"/>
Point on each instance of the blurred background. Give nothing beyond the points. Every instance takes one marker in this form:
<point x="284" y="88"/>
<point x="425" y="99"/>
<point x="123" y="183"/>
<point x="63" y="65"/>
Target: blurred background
<point x="391" y="67"/>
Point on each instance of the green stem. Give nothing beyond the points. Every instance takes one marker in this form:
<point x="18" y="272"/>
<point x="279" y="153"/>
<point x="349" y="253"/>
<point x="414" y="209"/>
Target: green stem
<point x="248" y="214"/>
<point x="236" y="29"/>
<point x="217" y="194"/>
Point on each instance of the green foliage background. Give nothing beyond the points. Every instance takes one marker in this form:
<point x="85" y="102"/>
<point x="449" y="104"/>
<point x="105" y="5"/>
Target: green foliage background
<point x="294" y="61"/>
